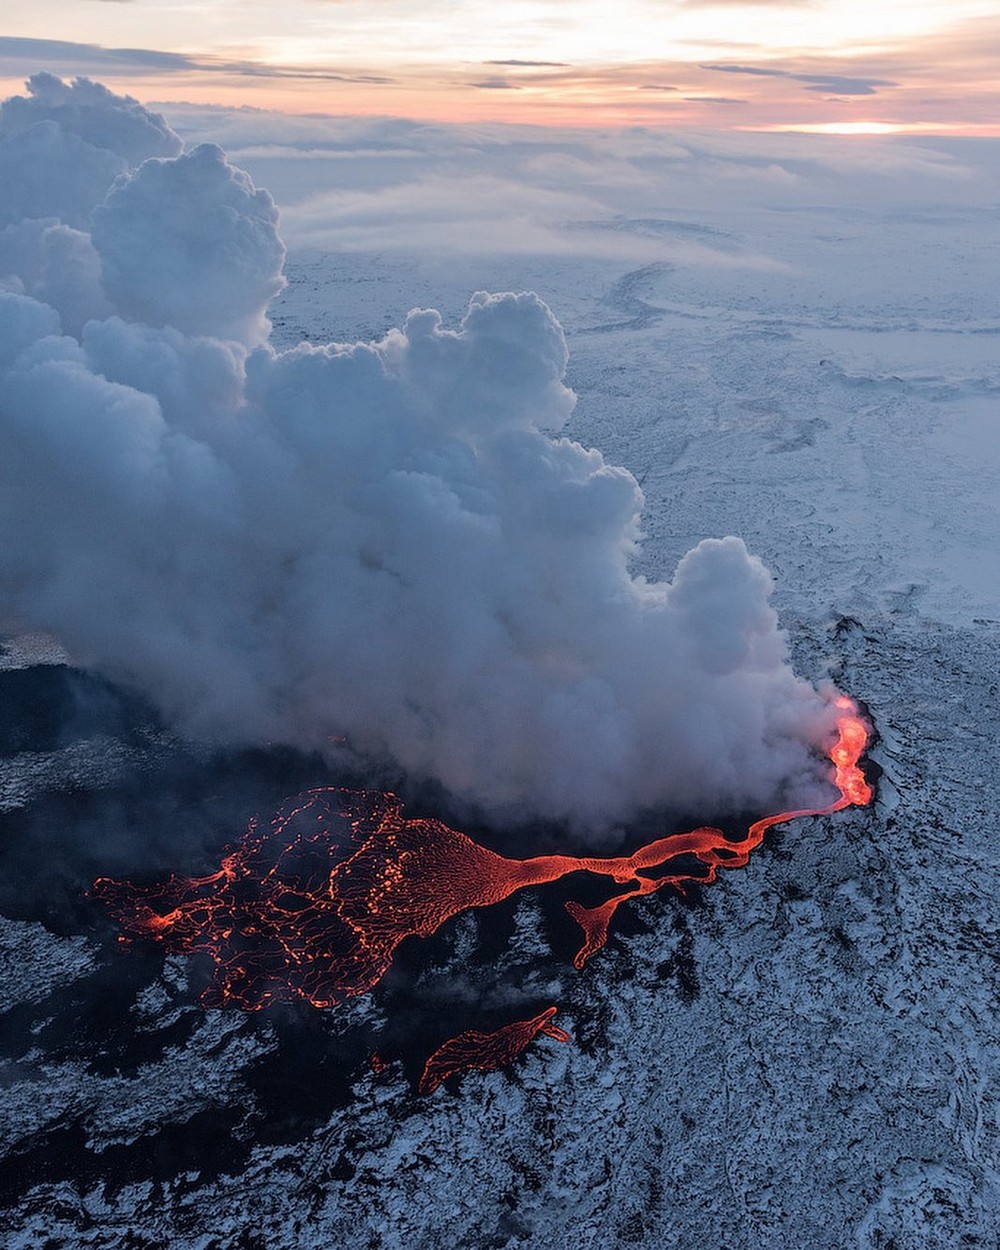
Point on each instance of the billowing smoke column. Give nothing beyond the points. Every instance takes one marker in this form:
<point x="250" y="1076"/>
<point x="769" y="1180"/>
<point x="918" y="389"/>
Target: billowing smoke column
<point x="373" y="542"/>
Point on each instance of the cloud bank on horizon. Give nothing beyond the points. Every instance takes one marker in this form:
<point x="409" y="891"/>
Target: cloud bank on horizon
<point x="639" y="196"/>
<point x="378" y="542"/>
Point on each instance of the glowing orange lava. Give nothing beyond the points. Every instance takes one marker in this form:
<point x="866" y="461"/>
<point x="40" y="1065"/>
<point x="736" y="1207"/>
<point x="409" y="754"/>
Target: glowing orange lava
<point x="486" y="1051"/>
<point x="314" y="905"/>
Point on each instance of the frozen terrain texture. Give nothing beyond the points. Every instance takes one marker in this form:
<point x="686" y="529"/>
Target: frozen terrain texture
<point x="804" y="1056"/>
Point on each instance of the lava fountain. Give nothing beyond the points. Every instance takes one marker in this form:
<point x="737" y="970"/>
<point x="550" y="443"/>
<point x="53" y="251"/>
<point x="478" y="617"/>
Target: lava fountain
<point x="313" y="905"/>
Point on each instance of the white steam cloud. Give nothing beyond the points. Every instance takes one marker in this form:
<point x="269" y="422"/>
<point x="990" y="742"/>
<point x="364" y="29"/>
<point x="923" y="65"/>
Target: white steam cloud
<point x="375" y="542"/>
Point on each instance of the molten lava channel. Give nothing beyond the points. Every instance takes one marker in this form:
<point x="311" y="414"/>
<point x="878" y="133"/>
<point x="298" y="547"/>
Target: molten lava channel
<point x="486" y="1051"/>
<point x="313" y="905"/>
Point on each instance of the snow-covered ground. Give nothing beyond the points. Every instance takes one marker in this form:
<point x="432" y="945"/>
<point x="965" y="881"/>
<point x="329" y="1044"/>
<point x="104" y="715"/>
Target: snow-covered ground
<point x="805" y="1056"/>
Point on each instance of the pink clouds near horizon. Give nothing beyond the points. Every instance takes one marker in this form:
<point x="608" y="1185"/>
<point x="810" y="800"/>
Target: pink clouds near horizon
<point x="938" y="75"/>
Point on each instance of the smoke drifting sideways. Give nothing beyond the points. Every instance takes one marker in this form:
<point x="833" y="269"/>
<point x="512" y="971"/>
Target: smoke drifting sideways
<point x="373" y="548"/>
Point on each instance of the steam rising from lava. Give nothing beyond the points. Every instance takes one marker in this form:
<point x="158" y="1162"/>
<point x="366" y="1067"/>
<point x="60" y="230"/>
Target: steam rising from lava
<point x="378" y="542"/>
<point x="314" y="906"/>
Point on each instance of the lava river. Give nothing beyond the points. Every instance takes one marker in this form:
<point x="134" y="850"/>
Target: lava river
<point x="313" y="904"/>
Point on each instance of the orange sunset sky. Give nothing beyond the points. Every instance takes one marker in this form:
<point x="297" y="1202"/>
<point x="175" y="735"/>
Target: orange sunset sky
<point x="849" y="66"/>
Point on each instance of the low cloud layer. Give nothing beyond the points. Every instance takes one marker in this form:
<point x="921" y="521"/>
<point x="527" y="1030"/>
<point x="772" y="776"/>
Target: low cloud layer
<point x="372" y="548"/>
<point x="387" y="184"/>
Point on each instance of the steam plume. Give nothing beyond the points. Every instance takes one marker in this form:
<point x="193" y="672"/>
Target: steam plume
<point x="375" y="542"/>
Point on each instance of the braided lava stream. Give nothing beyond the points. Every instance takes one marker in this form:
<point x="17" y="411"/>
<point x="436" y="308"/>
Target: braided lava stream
<point x="486" y="1051"/>
<point x="313" y="905"/>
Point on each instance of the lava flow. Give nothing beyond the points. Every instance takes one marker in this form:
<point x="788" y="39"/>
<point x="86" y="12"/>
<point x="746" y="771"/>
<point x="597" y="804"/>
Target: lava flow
<point x="486" y="1051"/>
<point x="314" y="905"/>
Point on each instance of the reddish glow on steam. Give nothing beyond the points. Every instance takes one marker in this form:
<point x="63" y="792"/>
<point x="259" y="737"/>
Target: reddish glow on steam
<point x="314" y="905"/>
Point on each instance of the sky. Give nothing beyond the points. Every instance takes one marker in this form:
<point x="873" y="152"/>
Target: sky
<point x="841" y="66"/>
